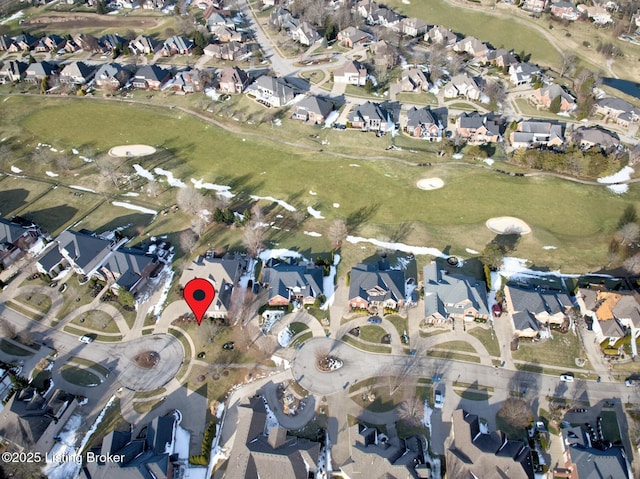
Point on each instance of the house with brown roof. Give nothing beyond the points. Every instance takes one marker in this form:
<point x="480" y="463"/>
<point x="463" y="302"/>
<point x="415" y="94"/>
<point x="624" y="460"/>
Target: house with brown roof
<point x="545" y="95"/>
<point x="17" y="238"/>
<point x="472" y="46"/>
<point x="232" y="80"/>
<point x="473" y="451"/>
<point x="462" y="85"/>
<point x="50" y="43"/>
<point x="441" y="35"/>
<point x="501" y="58"/>
<point x="564" y="10"/>
<point x="144" y="45"/>
<point x="189" y="80"/>
<point x="225" y="34"/>
<point x="384" y="55"/>
<point x="111" y="76"/>
<point x="534" y="6"/>
<point x="312" y="109"/>
<point x="413" y="80"/>
<point x="597" y="136"/>
<point x="226" y="51"/>
<point x="351" y="37"/>
<point x="352" y="73"/>
<point x="414" y="26"/>
<point x="477" y="128"/>
<point x="618" y="110"/>
<point x="614" y="314"/>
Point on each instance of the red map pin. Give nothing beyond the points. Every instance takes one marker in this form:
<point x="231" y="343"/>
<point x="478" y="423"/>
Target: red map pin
<point x="199" y="294"/>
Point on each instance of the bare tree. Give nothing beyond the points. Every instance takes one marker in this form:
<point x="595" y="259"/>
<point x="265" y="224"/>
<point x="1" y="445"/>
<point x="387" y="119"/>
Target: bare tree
<point x="568" y="64"/>
<point x="188" y="240"/>
<point x="153" y="189"/>
<point x="190" y="200"/>
<point x="63" y="163"/>
<point x="254" y="231"/>
<point x="496" y="92"/>
<point x="42" y="156"/>
<point x="411" y="410"/>
<point x="8" y="330"/>
<point x="516" y="412"/>
<point x="6" y="155"/>
<point x="108" y="166"/>
<point x="338" y="232"/>
<point x="25" y="337"/>
<point x="628" y="234"/>
<point x="244" y="305"/>
<point x="632" y="264"/>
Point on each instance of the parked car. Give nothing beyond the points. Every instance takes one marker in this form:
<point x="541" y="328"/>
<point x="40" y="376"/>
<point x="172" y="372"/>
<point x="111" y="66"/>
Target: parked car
<point x="228" y="345"/>
<point x="374" y="320"/>
<point x="438" y="401"/>
<point x="85" y="339"/>
<point x="631" y="382"/>
<point x="566" y="377"/>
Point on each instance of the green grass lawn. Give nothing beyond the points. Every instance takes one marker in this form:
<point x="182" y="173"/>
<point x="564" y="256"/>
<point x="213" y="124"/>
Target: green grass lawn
<point x="96" y="320"/>
<point x="300" y="340"/>
<point x="71" y="295"/>
<point x="472" y="395"/>
<point x="453" y="355"/>
<point x="15" y="193"/>
<point x="79" y="376"/>
<point x="143" y="407"/>
<point x="99" y="337"/>
<point x="610" y="427"/>
<point x="38" y="301"/>
<point x="561" y="351"/>
<point x="365" y="347"/>
<point x="90" y="364"/>
<point x="9" y="347"/>
<point x="383" y="402"/>
<point x="422" y="98"/>
<point x="148" y="394"/>
<point x="399" y="322"/>
<point x="461" y="346"/>
<point x="297" y="327"/>
<point x="490" y="342"/>
<point x="23" y="310"/>
<point x="112" y="421"/>
<point x="371" y="333"/>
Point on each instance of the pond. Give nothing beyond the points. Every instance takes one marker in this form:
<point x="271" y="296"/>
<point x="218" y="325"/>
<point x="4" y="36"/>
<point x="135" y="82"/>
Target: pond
<point x="625" y="86"/>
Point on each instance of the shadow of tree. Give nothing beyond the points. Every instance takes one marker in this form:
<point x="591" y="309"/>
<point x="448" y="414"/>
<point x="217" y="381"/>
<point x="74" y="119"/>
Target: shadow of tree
<point x="356" y="219"/>
<point x="11" y="200"/>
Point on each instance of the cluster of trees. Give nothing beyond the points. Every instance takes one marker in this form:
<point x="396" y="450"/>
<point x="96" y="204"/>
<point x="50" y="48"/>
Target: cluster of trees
<point x="624" y="246"/>
<point x="592" y="162"/>
<point x="207" y="442"/>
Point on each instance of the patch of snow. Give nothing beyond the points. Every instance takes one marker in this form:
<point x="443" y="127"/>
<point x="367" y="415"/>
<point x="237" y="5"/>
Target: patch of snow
<point x="417" y="250"/>
<point x="143" y="172"/>
<point x="315" y="213"/>
<point x="15" y="169"/>
<point x="129" y="206"/>
<point x="284" y="337"/>
<point x="85" y="159"/>
<point x="458" y="156"/>
<point x="471" y="251"/>
<point x="618" y="189"/>
<point x="328" y="283"/>
<point x="333" y="116"/>
<point x="74" y="151"/>
<point x="271" y="421"/>
<point x="131" y="193"/>
<point x="53" y="149"/>
<point x="278" y="361"/>
<point x="336" y="205"/>
<point x="623" y="175"/>
<point x="312" y="193"/>
<point x="489" y="161"/>
<point x="354" y="165"/>
<point x="313" y="233"/>
<point x="13" y="17"/>
<point x="426" y="417"/>
<point x="181" y="443"/>
<point x="282" y="203"/>
<point x="267" y="254"/>
<point x="82" y="188"/>
<point x="51" y="174"/>
<point x="157" y="309"/>
<point x="173" y="181"/>
<point x="549" y="247"/>
<point x="221" y="190"/>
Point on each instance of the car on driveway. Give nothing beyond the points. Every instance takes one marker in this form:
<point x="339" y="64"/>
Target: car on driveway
<point x="438" y="400"/>
<point x="86" y="339"/>
<point x="566" y="377"/>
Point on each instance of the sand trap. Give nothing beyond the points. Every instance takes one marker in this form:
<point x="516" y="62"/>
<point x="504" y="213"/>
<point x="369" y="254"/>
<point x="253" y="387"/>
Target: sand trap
<point x="508" y="225"/>
<point x="127" y="151"/>
<point x="430" y="183"/>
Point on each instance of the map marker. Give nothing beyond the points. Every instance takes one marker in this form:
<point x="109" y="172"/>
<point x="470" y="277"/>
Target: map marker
<point x="199" y="294"/>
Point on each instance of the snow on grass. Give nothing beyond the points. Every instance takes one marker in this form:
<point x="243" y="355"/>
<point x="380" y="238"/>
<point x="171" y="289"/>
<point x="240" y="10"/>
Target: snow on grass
<point x="282" y="203"/>
<point x="618" y="189"/>
<point x="129" y="206"/>
<point x="336" y="205"/>
<point x="271" y="421"/>
<point x="489" y="161"/>
<point x="315" y="213"/>
<point x="51" y="174"/>
<point x="398" y="246"/>
<point x="82" y="188"/>
<point x="15" y="169"/>
<point x="131" y="194"/>
<point x="13" y="17"/>
<point x="457" y="156"/>
<point x="471" y="251"/>
<point x="157" y="309"/>
<point x="284" y="337"/>
<point x="267" y="254"/>
<point x="549" y="247"/>
<point x="356" y="165"/>
<point x="74" y="151"/>
<point x="144" y="173"/>
<point x="221" y="190"/>
<point x="328" y="283"/>
<point x="333" y="116"/>
<point x="312" y="193"/>
<point x="513" y="268"/>
<point x="172" y="180"/>
<point x="623" y="175"/>
<point x="313" y="233"/>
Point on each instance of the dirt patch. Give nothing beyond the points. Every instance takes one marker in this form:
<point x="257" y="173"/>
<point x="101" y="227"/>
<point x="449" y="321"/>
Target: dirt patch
<point x="508" y="225"/>
<point x="147" y="359"/>
<point x="77" y="21"/>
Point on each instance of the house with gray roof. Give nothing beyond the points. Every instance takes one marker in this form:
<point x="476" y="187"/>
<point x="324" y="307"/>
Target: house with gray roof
<point x="151" y="77"/>
<point x="48" y="261"/>
<point x="471" y="451"/>
<point x="462" y="85"/>
<point x="441" y="35"/>
<point x="305" y="34"/>
<point x="414" y="80"/>
<point x="227" y="51"/>
<point x="77" y="73"/>
<point x="479" y="128"/>
<point x="546" y="95"/>
<point x="538" y="133"/>
<point x="5" y="43"/>
<point x="591" y="456"/>
<point x="188" y="81"/>
<point x="144" y="45"/>
<point x="425" y="123"/>
<point x="618" y="110"/>
<point x="128" y="268"/>
<point x="36" y="72"/>
<point x="472" y="46"/>
<point x="23" y="43"/>
<point x="351" y="37"/>
<point x="177" y="45"/>
<point x="385" y="17"/>
<point x="523" y="73"/>
<point x="376" y="287"/>
<point x="282" y="19"/>
<point x="313" y="109"/>
<point x="84" y="250"/>
<point x="597" y="136"/>
<point x="260" y="451"/>
<point x="289" y="282"/>
<point x="533" y="309"/>
<point x="370" y="117"/>
<point x="612" y="314"/>
<point x="449" y="296"/>
<point x="352" y="73"/>
<point x="414" y="26"/>
<point x="111" y="42"/>
<point x="501" y="58"/>
<point x="12" y="71"/>
<point x="17" y="238"/>
<point x="272" y="91"/>
<point x="50" y="43"/>
<point x="111" y="76"/>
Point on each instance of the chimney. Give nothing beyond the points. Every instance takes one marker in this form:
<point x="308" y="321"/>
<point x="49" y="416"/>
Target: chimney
<point x="277" y="436"/>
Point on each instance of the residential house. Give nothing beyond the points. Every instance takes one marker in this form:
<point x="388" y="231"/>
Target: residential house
<point x="413" y="80"/>
<point x="305" y="34"/>
<point x="224" y="34"/>
<point x="376" y="287"/>
<point x="618" y="110"/>
<point x="36" y="72"/>
<point x="12" y="71"/>
<point x="188" y="81"/>
<point x="218" y="18"/>
<point x="150" y="77"/>
<point x="85" y="251"/>
<point x="501" y="58"/>
<point x="272" y="91"/>
<point x="227" y="51"/>
<point x="177" y="45"/>
<point x="263" y="451"/>
<point x="223" y="273"/>
<point x="313" y="109"/>
<point x="111" y="76"/>
<point x="23" y="43"/>
<point x="544" y="97"/>
<point x="366" y="7"/>
<point x="414" y="27"/>
<point x="598" y="305"/>
<point x="535" y="6"/>
<point x="72" y="46"/>
<point x="81" y="41"/>
<point x="384" y="17"/>
<point x="5" y="43"/>
<point x="384" y="55"/>
<point x="591" y="455"/>
<point x="589" y="137"/>
<point x="49" y="260"/>
<point x="565" y="11"/>
<point x="532" y="309"/>
<point x="50" y="43"/>
<point x="32" y="421"/>
<point x="538" y="133"/>
<point x="294" y="283"/>
<point x="158" y="452"/>
<point x="232" y="80"/>
<point x="477" y="128"/>
<point x="370" y="117"/>
<point x="441" y="35"/>
<point x="472" y="451"/>
<point x="144" y="45"/>
<point x="596" y="13"/>
<point x="462" y="86"/>
<point x="472" y="46"/>
<point x="77" y="73"/>
<point x="352" y="37"/>
<point x="449" y="297"/>
<point x="425" y="123"/>
<point x="128" y="268"/>
<point x="352" y="73"/>
<point x="372" y="454"/>
<point x="523" y="73"/>
<point x="111" y="42"/>
<point x="282" y="19"/>
<point x="17" y="238"/>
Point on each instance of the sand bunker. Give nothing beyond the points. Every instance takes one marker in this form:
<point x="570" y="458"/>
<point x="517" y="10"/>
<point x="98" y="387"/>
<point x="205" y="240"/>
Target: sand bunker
<point x="127" y="151"/>
<point x="508" y="225"/>
<point x="430" y="183"/>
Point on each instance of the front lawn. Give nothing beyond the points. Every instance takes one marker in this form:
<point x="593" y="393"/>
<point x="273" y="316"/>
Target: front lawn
<point x="372" y="333"/>
<point x="12" y="348"/>
<point x="487" y="339"/>
<point x="562" y="350"/>
<point x="79" y="377"/>
<point x="96" y="320"/>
